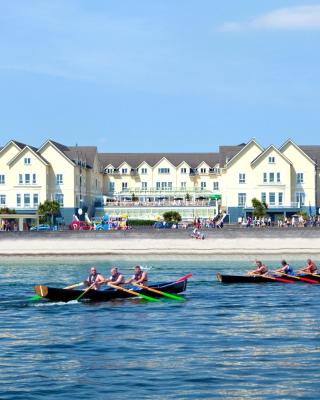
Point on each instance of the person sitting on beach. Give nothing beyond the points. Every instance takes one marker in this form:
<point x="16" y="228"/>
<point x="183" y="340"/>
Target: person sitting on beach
<point x="94" y="278"/>
<point x="285" y="269"/>
<point x="310" y="268"/>
<point x="116" y="277"/>
<point x="139" y="276"/>
<point x="261" y="269"/>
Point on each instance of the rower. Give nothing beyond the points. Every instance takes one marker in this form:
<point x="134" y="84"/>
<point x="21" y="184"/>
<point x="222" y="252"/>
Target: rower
<point x="116" y="277"/>
<point x="310" y="268"/>
<point x="285" y="268"/>
<point x="94" y="278"/>
<point x="139" y="276"/>
<point x="261" y="269"/>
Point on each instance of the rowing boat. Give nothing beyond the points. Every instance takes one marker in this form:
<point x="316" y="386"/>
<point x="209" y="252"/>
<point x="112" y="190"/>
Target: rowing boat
<point x="249" y="279"/>
<point x="65" y="295"/>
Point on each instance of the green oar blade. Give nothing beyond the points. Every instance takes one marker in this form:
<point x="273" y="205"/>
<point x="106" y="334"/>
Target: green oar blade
<point x="173" y="297"/>
<point x="143" y="296"/>
<point x="37" y="297"/>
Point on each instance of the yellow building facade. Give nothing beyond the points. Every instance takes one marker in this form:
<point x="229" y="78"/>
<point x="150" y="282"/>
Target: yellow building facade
<point x="144" y="185"/>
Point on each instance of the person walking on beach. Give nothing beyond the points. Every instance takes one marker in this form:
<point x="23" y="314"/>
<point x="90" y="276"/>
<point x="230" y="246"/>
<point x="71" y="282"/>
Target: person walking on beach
<point x="94" y="278"/>
<point x="310" y="268"/>
<point x="116" y="277"/>
<point x="139" y="276"/>
<point x="260" y="270"/>
<point x="285" y="268"/>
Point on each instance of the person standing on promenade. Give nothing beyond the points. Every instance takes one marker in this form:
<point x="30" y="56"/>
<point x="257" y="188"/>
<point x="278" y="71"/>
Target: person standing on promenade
<point x="310" y="268"/>
<point x="285" y="268"/>
<point x="116" y="277"/>
<point x="260" y="270"/>
<point x="139" y="276"/>
<point x="94" y="278"/>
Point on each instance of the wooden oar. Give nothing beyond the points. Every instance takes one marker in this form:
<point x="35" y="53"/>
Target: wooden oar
<point x="143" y="296"/>
<point x="298" y="278"/>
<point x="39" y="296"/>
<point x="74" y="286"/>
<point x="169" y="295"/>
<point x="184" y="278"/>
<point x="85" y="291"/>
<point x="273" y="278"/>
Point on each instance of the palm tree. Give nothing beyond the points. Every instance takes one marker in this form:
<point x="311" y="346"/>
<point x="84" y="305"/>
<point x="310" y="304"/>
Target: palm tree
<point x="49" y="209"/>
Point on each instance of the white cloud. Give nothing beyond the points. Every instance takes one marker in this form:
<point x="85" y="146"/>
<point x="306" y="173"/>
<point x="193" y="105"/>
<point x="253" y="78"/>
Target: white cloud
<point x="293" y="18"/>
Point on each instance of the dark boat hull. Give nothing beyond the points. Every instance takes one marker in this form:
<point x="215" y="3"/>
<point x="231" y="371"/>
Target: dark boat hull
<point x="244" y="279"/>
<point x="310" y="276"/>
<point x="65" y="295"/>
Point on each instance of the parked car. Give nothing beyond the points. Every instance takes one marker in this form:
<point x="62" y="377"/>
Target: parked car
<point x="41" y="227"/>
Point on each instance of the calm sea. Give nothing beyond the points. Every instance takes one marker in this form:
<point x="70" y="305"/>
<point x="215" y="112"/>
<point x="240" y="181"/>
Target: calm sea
<point x="225" y="342"/>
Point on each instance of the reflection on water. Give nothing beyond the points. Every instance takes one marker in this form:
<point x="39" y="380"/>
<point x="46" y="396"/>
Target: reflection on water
<point x="226" y="342"/>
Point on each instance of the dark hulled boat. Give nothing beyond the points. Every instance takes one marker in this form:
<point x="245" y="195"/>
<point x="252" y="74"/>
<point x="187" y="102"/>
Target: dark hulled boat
<point x="314" y="277"/>
<point x="65" y="295"/>
<point x="244" y="278"/>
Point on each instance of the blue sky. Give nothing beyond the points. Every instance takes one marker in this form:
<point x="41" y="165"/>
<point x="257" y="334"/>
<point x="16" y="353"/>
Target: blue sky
<point x="159" y="75"/>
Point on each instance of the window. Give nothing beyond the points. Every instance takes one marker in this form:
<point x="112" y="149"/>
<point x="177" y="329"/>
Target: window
<point x="242" y="178"/>
<point x="144" y="171"/>
<point x="203" y="185"/>
<point x="26" y="198"/>
<point x="18" y="200"/>
<point x="109" y="171"/>
<point x="144" y="185"/>
<point x="203" y="170"/>
<point x="96" y="183"/>
<point x="124" y="171"/>
<point x="300" y="177"/>
<point x="264" y="197"/>
<point x="111" y="186"/>
<point x="36" y="200"/>
<point x="183" y="185"/>
<point x="170" y="185"/>
<point x="27" y="179"/>
<point x="2" y="179"/>
<point x="271" y="160"/>
<point x="280" y="198"/>
<point x="158" y="185"/>
<point x="164" y="170"/>
<point x="300" y="198"/>
<point x="242" y="198"/>
<point x="183" y="170"/>
<point x="278" y="177"/>
<point x="215" y="185"/>
<point x="124" y="186"/>
<point x="2" y="199"/>
<point x="34" y="179"/>
<point x="271" y="177"/>
<point x="272" y="198"/>
<point x="20" y="179"/>
<point x="59" y="198"/>
<point x="265" y="180"/>
<point x="27" y="161"/>
<point x="59" y="179"/>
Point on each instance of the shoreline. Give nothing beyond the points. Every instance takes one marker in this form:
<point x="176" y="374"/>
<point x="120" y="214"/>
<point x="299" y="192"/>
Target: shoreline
<point x="172" y="245"/>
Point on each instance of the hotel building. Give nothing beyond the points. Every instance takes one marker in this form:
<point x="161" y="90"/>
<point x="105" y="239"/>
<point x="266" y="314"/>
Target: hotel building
<point x="144" y="185"/>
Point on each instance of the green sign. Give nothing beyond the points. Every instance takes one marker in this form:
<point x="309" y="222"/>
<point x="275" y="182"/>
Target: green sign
<point x="215" y="197"/>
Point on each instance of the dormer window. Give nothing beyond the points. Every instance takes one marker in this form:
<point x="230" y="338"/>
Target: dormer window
<point x="203" y="170"/>
<point x="27" y="161"/>
<point x="271" y="160"/>
<point x="109" y="170"/>
<point x="124" y="171"/>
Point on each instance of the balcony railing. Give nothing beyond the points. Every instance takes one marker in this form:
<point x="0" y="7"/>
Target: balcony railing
<point x="172" y="191"/>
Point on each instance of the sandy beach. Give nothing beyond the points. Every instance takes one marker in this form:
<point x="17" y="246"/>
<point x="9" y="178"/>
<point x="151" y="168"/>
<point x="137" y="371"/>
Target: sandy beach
<point x="150" y="243"/>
